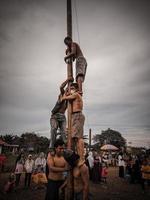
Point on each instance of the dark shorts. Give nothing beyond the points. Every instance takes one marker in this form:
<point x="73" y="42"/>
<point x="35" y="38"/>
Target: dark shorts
<point x="77" y="125"/>
<point x="79" y="196"/>
<point x="52" y="192"/>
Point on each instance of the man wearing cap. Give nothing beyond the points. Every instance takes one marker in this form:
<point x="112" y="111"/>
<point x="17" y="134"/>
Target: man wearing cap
<point x="29" y="164"/>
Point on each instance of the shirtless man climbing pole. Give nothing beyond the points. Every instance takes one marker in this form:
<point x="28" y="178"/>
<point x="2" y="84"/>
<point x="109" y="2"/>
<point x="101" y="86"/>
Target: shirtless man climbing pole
<point x="74" y="52"/>
<point x="77" y="118"/>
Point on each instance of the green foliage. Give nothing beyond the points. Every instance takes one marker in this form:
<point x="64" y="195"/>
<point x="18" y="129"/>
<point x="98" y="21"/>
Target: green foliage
<point x="7" y="138"/>
<point x="110" y="136"/>
<point x="28" y="141"/>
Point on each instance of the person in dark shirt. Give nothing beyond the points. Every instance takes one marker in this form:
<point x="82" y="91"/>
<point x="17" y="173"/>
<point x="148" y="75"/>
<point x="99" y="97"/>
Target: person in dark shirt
<point x="58" y="119"/>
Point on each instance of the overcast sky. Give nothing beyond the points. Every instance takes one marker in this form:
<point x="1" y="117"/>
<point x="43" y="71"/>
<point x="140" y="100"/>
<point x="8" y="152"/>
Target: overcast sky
<point x="115" y="38"/>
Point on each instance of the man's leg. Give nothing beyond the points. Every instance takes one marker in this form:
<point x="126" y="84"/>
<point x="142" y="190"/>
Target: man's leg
<point x="53" y="190"/>
<point x="17" y="179"/>
<point x="26" y="177"/>
<point x="29" y="179"/>
<point x="80" y="148"/>
<point x="81" y="66"/>
<point x="80" y="80"/>
<point x="62" y="126"/>
<point x="143" y="184"/>
<point x="54" y="127"/>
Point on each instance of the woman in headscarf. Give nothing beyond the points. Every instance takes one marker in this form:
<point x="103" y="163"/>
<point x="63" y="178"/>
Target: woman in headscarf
<point x="90" y="160"/>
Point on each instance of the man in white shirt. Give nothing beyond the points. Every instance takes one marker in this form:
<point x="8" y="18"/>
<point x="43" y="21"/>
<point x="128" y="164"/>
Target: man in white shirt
<point x="29" y="164"/>
<point x="121" y="165"/>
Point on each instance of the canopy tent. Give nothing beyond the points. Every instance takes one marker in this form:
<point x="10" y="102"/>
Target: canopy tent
<point x="109" y="147"/>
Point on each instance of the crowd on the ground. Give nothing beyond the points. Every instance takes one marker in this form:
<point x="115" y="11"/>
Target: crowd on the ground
<point x="28" y="166"/>
<point x="135" y="169"/>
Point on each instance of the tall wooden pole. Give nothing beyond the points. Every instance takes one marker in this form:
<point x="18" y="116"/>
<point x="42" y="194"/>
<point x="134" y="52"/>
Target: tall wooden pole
<point x="69" y="69"/>
<point x="90" y="131"/>
<point x="69" y="191"/>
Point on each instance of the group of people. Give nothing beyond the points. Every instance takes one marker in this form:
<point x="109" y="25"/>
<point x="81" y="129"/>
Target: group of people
<point x="72" y="94"/>
<point x="27" y="166"/>
<point x="135" y="168"/>
<point x="58" y="161"/>
<point x="98" y="167"/>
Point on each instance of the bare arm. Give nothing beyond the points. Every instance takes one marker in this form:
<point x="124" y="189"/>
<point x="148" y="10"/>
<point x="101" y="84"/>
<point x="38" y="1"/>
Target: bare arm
<point x="62" y="91"/>
<point x="69" y="97"/>
<point x="85" y="179"/>
<point x="72" y="54"/>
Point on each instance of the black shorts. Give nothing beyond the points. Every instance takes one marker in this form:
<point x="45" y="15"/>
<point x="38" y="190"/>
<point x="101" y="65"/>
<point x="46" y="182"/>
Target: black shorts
<point x="52" y="192"/>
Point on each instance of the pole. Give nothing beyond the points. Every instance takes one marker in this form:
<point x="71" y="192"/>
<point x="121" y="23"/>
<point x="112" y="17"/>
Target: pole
<point x="90" y="131"/>
<point x="69" y="190"/>
<point x="69" y="33"/>
<point x="69" y="70"/>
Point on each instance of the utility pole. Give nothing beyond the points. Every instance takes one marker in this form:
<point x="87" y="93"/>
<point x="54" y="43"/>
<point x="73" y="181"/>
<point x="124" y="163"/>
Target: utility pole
<point x="69" y="190"/>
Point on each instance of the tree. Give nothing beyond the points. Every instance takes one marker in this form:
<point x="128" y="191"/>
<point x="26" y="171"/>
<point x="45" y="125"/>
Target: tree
<point x="8" y="138"/>
<point x="32" y="140"/>
<point x="110" y="136"/>
<point x="28" y="141"/>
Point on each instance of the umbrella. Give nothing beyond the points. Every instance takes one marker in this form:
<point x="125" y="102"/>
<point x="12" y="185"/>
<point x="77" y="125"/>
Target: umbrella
<point x="108" y="147"/>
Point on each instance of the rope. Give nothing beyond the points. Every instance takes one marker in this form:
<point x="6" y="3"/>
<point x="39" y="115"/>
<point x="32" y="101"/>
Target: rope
<point x="76" y="21"/>
<point x="78" y="36"/>
<point x="77" y="24"/>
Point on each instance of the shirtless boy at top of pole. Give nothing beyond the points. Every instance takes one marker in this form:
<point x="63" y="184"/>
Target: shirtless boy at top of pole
<point x="56" y="165"/>
<point x="77" y="118"/>
<point x="74" y="52"/>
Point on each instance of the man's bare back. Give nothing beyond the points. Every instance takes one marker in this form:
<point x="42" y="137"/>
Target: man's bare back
<point x="81" y="180"/>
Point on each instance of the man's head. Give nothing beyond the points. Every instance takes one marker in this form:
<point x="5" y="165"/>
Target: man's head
<point x="41" y="155"/>
<point x="74" y="87"/>
<point x="59" y="147"/>
<point x="29" y="156"/>
<point x="68" y="41"/>
<point x="71" y="157"/>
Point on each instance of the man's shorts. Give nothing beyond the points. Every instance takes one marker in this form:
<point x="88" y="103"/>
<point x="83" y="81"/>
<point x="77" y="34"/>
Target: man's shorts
<point x="81" y="66"/>
<point x="77" y="125"/>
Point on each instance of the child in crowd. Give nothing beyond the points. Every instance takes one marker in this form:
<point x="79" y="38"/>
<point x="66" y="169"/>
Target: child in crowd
<point x="104" y="173"/>
<point x="10" y="184"/>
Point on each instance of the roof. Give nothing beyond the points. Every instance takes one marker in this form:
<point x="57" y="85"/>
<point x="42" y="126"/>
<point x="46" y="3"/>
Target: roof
<point x="3" y="143"/>
<point x="6" y="144"/>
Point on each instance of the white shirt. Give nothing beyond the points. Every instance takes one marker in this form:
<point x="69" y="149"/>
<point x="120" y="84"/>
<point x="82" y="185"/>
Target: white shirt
<point x="90" y="160"/>
<point x="121" y="161"/>
<point x="29" y="165"/>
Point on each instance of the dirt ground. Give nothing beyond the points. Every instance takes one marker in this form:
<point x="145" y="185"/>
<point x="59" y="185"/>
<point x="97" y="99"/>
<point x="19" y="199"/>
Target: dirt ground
<point x="115" y="189"/>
